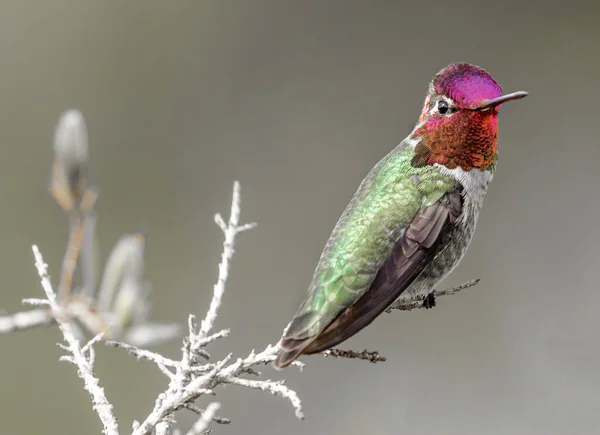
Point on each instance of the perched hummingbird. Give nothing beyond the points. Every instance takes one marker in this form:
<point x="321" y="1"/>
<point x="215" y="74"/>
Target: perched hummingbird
<point x="412" y="218"/>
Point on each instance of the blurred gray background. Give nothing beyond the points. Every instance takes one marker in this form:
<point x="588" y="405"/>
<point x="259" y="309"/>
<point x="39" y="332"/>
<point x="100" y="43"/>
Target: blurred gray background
<point x="298" y="100"/>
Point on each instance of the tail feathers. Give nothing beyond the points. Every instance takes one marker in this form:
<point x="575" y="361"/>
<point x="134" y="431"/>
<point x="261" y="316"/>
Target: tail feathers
<point x="290" y="350"/>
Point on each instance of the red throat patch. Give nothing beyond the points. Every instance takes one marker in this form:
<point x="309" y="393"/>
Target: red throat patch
<point x="467" y="140"/>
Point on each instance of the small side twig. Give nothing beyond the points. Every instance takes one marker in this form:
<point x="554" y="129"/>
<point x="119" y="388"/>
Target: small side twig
<point x="202" y="424"/>
<point x="273" y="387"/>
<point x="230" y="230"/>
<point x="200" y="411"/>
<point x="25" y="320"/>
<point x="419" y="300"/>
<point x="365" y="355"/>
<point x="143" y="354"/>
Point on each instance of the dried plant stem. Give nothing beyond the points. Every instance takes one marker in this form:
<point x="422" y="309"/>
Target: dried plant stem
<point x="71" y="256"/>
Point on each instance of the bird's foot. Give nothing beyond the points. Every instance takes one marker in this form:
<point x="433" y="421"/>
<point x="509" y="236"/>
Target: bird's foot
<point x="429" y="301"/>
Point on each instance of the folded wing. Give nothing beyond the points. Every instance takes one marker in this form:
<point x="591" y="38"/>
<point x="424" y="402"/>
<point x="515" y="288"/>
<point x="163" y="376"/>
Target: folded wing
<point x="422" y="239"/>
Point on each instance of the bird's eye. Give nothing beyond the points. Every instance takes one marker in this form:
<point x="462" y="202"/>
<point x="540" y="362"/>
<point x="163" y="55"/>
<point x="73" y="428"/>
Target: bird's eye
<point x="443" y="107"/>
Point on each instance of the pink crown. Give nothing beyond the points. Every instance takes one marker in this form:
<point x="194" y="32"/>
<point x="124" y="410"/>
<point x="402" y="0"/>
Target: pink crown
<point x="468" y="85"/>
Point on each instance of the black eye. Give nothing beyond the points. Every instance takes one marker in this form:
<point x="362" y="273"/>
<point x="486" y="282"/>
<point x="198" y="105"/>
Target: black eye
<point x="443" y="107"/>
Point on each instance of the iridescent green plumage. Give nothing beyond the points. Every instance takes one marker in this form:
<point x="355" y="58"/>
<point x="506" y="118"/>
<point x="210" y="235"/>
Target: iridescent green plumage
<point x="386" y="202"/>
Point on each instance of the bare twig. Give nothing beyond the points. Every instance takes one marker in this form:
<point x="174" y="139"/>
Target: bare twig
<point x="199" y="411"/>
<point x="221" y="373"/>
<point x="84" y="364"/>
<point x="371" y="356"/>
<point x="36" y="302"/>
<point x="144" y="354"/>
<point x="202" y="424"/>
<point x="25" y="320"/>
<point x="273" y="387"/>
<point x="230" y="230"/>
<point x="418" y="301"/>
<point x="191" y="380"/>
<point x="74" y="309"/>
<point x="201" y="342"/>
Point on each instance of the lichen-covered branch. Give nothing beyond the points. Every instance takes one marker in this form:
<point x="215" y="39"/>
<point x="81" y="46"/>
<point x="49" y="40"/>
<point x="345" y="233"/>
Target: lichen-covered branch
<point x="191" y="377"/>
<point x="205" y="419"/>
<point x="365" y="355"/>
<point x="230" y="230"/>
<point x="25" y="320"/>
<point x="82" y="357"/>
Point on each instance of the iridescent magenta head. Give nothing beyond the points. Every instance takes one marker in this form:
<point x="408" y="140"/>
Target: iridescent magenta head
<point x="467" y="85"/>
<point x="458" y="126"/>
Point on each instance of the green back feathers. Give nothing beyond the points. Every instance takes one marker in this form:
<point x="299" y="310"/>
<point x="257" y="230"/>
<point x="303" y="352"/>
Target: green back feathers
<point x="385" y="203"/>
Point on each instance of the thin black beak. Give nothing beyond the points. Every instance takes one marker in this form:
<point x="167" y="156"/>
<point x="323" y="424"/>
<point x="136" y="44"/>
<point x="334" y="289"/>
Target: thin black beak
<point x="502" y="99"/>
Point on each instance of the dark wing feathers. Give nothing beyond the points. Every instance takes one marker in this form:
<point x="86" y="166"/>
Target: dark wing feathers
<point x="418" y="244"/>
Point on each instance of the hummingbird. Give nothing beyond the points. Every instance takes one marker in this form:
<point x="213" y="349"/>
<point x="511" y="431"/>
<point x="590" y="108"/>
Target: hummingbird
<point x="412" y="218"/>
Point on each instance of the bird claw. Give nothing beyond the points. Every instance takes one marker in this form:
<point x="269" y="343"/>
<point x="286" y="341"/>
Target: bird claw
<point x="429" y="301"/>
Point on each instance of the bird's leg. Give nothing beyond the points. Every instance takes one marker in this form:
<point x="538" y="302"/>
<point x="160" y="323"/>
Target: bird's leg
<point x="429" y="301"/>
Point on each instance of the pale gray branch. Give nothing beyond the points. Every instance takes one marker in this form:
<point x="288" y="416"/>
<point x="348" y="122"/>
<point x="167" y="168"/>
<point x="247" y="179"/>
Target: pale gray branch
<point x="25" y="320"/>
<point x="84" y="364"/>
<point x="199" y="411"/>
<point x="144" y="354"/>
<point x="420" y="300"/>
<point x="192" y="380"/>
<point x="205" y="419"/>
<point x="230" y="230"/>
<point x="365" y="355"/>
